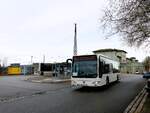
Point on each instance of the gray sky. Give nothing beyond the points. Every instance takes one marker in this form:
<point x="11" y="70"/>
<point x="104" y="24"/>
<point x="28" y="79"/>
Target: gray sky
<point x="46" y="27"/>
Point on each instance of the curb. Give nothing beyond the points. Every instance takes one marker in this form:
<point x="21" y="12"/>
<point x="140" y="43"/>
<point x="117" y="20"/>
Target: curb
<point x="57" y="81"/>
<point x="137" y="104"/>
<point x="36" y="81"/>
<point x="51" y="81"/>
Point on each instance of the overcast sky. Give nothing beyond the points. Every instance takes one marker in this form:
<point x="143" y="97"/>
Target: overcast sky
<point x="46" y="27"/>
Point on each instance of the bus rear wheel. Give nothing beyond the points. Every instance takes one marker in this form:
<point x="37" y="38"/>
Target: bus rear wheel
<point x="118" y="78"/>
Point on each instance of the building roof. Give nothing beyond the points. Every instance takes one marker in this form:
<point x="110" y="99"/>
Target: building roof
<point x="109" y="50"/>
<point x="132" y="58"/>
<point x="128" y="58"/>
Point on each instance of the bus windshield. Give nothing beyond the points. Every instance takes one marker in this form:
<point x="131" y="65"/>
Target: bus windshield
<point x="85" y="68"/>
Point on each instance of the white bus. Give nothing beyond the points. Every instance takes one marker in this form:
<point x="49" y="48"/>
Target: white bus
<point x="94" y="70"/>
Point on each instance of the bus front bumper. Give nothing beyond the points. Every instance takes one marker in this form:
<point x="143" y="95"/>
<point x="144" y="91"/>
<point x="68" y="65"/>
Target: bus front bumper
<point x="86" y="83"/>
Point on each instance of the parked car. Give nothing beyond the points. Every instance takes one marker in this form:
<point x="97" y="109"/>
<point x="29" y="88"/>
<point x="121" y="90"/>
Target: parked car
<point x="146" y="75"/>
<point x="148" y="85"/>
<point x="137" y="72"/>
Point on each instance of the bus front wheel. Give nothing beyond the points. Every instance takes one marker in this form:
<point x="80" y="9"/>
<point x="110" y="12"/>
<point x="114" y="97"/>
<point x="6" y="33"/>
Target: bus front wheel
<point x="107" y="81"/>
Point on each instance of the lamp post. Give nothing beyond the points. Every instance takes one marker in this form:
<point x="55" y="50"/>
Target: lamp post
<point x="31" y="59"/>
<point x="43" y="58"/>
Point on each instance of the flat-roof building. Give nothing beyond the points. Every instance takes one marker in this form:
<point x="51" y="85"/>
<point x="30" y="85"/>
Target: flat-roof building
<point x="127" y="65"/>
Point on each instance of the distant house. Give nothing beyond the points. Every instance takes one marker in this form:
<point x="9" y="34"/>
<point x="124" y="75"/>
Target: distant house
<point x="134" y="66"/>
<point x="127" y="65"/>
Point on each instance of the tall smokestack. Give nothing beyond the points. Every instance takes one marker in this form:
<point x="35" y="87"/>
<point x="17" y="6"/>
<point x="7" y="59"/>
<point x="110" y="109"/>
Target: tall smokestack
<point x="75" y="52"/>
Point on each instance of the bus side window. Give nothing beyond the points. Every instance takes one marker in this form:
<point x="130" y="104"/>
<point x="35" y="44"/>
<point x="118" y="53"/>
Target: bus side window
<point x="106" y="68"/>
<point x="111" y="68"/>
<point x="115" y="70"/>
<point x="101" y="68"/>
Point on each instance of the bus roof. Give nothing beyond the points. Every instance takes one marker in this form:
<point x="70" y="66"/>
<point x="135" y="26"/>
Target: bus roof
<point x="85" y="57"/>
<point x="92" y="55"/>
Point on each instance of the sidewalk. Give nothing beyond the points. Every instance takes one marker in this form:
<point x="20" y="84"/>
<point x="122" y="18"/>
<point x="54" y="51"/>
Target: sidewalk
<point x="146" y="108"/>
<point x="141" y="103"/>
<point x="44" y="79"/>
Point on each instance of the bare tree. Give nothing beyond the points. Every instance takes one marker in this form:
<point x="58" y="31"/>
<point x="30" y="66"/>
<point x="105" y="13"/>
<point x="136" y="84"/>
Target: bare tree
<point x="146" y="63"/>
<point x="130" y="19"/>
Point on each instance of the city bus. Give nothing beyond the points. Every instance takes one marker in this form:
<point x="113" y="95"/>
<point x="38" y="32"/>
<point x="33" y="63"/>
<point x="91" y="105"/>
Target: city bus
<point x="94" y="70"/>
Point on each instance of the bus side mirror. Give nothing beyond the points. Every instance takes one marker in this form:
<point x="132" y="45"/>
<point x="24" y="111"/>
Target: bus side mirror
<point x="67" y="61"/>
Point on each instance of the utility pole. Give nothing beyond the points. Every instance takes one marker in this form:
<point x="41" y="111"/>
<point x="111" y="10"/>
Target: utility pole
<point x="43" y="58"/>
<point x="31" y="59"/>
<point x="75" y="52"/>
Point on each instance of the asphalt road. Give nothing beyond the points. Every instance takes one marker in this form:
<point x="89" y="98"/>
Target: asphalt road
<point x="18" y="96"/>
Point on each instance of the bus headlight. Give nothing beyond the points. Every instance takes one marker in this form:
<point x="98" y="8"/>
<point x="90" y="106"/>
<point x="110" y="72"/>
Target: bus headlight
<point x="73" y="82"/>
<point x="96" y="82"/>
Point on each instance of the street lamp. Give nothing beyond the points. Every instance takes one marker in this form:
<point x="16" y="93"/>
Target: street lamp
<point x="43" y="58"/>
<point x="31" y="59"/>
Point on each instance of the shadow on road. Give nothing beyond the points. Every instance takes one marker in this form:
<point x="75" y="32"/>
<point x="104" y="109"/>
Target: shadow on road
<point x="96" y="89"/>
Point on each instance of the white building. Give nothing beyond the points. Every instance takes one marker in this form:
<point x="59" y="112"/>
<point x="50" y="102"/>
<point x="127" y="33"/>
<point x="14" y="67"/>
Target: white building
<point x="127" y="65"/>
